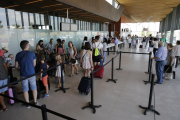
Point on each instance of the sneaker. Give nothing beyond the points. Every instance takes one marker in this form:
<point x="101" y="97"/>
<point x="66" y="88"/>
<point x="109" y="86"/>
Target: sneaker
<point x="25" y="105"/>
<point x="46" y="95"/>
<point x="35" y="103"/>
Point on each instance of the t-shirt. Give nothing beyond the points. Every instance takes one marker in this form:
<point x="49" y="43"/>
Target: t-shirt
<point x="98" y="45"/>
<point x="3" y="73"/>
<point x="150" y="39"/>
<point x="26" y="64"/>
<point x="2" y="53"/>
<point x="8" y="60"/>
<point x="44" y="67"/>
<point x="155" y="44"/>
<point x="129" y="39"/>
<point x="170" y="56"/>
<point x="104" y="46"/>
<point x="164" y="40"/>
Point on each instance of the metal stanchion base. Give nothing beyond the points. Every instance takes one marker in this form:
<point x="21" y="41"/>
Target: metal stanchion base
<point x="119" y="69"/>
<point x="146" y="82"/>
<point x="63" y="89"/>
<point x="92" y="106"/>
<point x="149" y="109"/>
<point x="147" y="72"/>
<point x="114" y="80"/>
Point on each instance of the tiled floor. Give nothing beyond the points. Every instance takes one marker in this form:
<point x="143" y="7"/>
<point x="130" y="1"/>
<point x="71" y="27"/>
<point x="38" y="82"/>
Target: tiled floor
<point x="119" y="101"/>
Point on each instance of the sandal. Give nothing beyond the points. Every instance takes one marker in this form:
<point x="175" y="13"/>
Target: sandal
<point x="5" y="109"/>
<point x="76" y="72"/>
<point x="58" y="86"/>
<point x="71" y="75"/>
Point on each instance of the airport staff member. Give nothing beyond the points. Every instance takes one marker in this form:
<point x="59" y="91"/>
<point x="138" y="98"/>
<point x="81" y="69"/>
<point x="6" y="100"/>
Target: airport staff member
<point x="160" y="58"/>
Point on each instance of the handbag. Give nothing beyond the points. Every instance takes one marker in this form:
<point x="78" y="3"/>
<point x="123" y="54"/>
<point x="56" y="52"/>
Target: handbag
<point x="168" y="75"/>
<point x="140" y="46"/>
<point x="73" y="60"/>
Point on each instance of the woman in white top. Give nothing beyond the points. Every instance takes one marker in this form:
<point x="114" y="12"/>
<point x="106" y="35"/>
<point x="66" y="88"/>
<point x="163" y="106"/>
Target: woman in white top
<point x="129" y="40"/>
<point x="73" y="53"/>
<point x="155" y="43"/>
<point x="177" y="52"/>
<point x="86" y="59"/>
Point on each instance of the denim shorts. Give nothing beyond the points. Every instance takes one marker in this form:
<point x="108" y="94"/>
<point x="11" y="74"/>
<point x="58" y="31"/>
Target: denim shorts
<point x="28" y="82"/>
<point x="2" y="83"/>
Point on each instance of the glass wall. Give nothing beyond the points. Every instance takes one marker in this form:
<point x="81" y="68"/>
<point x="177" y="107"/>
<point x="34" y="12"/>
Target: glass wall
<point x="141" y="29"/>
<point x="19" y="27"/>
<point x="176" y="36"/>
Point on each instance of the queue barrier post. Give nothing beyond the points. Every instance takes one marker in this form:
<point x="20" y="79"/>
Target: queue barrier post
<point x="119" y="62"/>
<point x="149" y="63"/>
<point x="91" y="104"/>
<point x="112" y="73"/>
<point x="62" y="82"/>
<point x="44" y="112"/>
<point x="150" y="107"/>
<point x="150" y="72"/>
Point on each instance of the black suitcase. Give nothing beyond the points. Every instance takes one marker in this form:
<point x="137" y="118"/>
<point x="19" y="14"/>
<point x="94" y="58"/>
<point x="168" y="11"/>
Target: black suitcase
<point x="84" y="85"/>
<point x="41" y="85"/>
<point x="14" y="93"/>
<point x="167" y="69"/>
<point x="38" y="92"/>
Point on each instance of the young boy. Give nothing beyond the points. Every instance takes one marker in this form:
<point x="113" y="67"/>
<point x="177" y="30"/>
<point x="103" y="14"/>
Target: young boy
<point x="44" y="76"/>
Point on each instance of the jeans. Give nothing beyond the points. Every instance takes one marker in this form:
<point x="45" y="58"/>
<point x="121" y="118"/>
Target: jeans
<point x="160" y="70"/>
<point x="25" y="84"/>
<point x="177" y="61"/>
<point x="104" y="54"/>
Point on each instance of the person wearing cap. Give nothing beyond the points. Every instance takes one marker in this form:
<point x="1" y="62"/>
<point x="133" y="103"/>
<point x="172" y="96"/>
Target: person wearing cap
<point x="4" y="51"/>
<point x="160" y="58"/>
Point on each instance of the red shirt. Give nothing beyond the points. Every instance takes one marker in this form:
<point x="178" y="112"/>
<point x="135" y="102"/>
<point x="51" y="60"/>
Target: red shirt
<point x="2" y="53"/>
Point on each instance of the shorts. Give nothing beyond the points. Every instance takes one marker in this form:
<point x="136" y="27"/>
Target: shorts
<point x="44" y="80"/>
<point x="2" y="83"/>
<point x="30" y="81"/>
<point x="97" y="58"/>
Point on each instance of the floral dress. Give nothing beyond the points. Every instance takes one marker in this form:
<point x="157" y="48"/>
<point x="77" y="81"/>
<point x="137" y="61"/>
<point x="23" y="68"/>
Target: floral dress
<point x="85" y="60"/>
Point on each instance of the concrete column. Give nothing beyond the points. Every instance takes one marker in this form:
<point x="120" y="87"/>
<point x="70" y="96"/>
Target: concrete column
<point x="173" y="24"/>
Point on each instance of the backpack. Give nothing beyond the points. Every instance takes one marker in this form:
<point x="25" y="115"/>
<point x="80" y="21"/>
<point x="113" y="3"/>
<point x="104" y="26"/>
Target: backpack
<point x="96" y="51"/>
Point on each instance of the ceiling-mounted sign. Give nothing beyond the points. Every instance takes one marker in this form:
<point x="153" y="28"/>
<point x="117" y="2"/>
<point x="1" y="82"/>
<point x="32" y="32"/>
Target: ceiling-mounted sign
<point x="64" y="26"/>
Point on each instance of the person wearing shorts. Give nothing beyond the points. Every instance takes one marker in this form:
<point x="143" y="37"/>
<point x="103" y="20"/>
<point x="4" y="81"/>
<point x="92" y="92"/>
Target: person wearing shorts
<point x="3" y="81"/>
<point x="44" y="76"/>
<point x="97" y="44"/>
<point x="27" y="61"/>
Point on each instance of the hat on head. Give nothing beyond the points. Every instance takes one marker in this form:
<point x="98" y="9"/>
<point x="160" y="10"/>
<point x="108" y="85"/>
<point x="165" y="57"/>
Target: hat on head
<point x="5" y="48"/>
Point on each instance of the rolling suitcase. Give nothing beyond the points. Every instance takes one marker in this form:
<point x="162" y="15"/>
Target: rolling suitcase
<point x="38" y="92"/>
<point x="10" y="94"/>
<point x="84" y="85"/>
<point x="99" y="73"/>
<point x="14" y="93"/>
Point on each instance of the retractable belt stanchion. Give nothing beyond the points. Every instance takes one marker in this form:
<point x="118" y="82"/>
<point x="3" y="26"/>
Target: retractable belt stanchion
<point x="150" y="107"/>
<point x="149" y="63"/>
<point x="62" y="82"/>
<point x="44" y="112"/>
<point x="91" y="104"/>
<point x="119" y="61"/>
<point x="112" y="73"/>
<point x="150" y="72"/>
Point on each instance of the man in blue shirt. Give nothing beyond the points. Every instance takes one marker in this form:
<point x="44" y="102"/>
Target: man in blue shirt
<point x="160" y="58"/>
<point x="116" y="45"/>
<point x="27" y="61"/>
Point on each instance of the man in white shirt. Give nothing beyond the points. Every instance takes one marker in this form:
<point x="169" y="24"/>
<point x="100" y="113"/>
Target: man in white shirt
<point x="97" y="44"/>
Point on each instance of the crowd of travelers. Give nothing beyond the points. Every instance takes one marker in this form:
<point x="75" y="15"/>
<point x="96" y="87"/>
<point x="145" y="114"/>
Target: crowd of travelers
<point x="49" y="55"/>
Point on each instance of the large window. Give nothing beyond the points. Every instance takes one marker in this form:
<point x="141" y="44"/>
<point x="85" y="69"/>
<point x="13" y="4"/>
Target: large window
<point x="109" y="1"/>
<point x="12" y="22"/>
<point x="56" y="25"/>
<point x="37" y="19"/>
<point x="42" y="19"/>
<point x="3" y="21"/>
<point x="52" y="22"/>
<point x="18" y="19"/>
<point x="26" y="20"/>
<point x="31" y="19"/>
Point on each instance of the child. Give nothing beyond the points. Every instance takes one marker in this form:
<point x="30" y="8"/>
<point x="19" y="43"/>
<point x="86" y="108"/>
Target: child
<point x="129" y="40"/>
<point x="44" y="76"/>
<point x="58" y="69"/>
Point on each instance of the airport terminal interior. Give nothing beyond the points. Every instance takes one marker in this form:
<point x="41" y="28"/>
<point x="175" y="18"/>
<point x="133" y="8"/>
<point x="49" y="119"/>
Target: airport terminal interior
<point x="130" y="77"/>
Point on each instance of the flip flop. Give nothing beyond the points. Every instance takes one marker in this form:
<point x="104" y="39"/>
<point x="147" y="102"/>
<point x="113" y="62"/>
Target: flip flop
<point x="71" y="75"/>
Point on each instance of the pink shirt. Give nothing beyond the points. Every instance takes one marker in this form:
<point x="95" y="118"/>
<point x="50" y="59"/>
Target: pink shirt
<point x="2" y="53"/>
